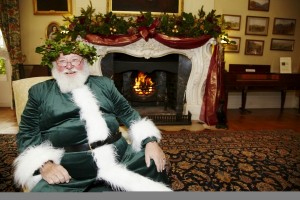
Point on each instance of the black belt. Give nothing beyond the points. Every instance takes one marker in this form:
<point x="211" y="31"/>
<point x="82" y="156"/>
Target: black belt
<point x="86" y="146"/>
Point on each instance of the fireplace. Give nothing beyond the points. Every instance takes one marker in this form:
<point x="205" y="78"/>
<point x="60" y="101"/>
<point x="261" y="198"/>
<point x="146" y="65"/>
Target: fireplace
<point x="199" y="57"/>
<point x="155" y="87"/>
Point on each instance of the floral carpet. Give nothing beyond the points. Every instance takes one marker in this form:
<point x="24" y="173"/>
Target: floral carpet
<point x="212" y="160"/>
<point x="234" y="160"/>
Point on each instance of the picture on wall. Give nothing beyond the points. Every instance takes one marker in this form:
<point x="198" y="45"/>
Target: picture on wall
<point x="257" y="25"/>
<point x="232" y="22"/>
<point x="135" y="7"/>
<point x="282" y="44"/>
<point x="284" y="26"/>
<point x="53" y="7"/>
<point x="259" y="5"/>
<point x="51" y="30"/>
<point x="233" y="47"/>
<point x="254" y="47"/>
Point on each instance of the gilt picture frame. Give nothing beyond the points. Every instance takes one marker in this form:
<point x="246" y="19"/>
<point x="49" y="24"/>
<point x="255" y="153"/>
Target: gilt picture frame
<point x="51" y="29"/>
<point x="254" y="47"/>
<point x="135" y="7"/>
<point x="53" y="7"/>
<point x="256" y="25"/>
<point x="234" y="47"/>
<point x="232" y="22"/>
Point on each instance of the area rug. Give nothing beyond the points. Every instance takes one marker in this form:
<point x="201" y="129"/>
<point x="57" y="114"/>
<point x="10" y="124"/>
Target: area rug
<point x="222" y="160"/>
<point x="234" y="160"/>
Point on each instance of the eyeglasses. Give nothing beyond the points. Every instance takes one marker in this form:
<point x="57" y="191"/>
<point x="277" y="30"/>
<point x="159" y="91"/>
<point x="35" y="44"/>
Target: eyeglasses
<point x="73" y="62"/>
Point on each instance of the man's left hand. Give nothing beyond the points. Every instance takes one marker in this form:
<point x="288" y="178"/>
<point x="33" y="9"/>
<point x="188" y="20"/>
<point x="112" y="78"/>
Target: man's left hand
<point x="153" y="151"/>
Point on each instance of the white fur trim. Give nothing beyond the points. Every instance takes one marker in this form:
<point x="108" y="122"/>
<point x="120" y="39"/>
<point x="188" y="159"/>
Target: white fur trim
<point x="32" y="159"/>
<point x="119" y="177"/>
<point x="89" y="111"/>
<point x="141" y="130"/>
<point x="105" y="156"/>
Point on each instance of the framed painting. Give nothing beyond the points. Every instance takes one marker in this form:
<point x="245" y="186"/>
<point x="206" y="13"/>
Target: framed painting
<point x="282" y="44"/>
<point x="283" y="26"/>
<point x="135" y="7"/>
<point x="232" y="22"/>
<point x="254" y="47"/>
<point x="259" y="5"/>
<point x="257" y="25"/>
<point x="51" y="30"/>
<point x="53" y="7"/>
<point x="234" y="46"/>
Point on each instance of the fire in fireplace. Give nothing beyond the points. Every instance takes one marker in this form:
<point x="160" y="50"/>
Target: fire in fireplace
<point x="143" y="85"/>
<point x="155" y="86"/>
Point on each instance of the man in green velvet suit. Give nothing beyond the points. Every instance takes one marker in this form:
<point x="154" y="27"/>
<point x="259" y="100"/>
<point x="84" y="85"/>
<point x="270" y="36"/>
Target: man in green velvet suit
<point x="69" y="138"/>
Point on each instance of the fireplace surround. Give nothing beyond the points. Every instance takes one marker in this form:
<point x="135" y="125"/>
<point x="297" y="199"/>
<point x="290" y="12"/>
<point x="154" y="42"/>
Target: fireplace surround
<point x="198" y="57"/>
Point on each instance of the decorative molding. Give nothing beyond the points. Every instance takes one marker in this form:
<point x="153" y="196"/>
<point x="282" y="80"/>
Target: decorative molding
<point x="200" y="58"/>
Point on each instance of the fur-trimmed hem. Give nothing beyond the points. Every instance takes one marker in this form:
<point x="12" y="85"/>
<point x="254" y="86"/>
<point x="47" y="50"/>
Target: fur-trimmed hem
<point x="140" y="130"/>
<point x="32" y="159"/>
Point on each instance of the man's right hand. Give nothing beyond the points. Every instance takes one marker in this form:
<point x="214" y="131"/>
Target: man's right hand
<point x="54" y="173"/>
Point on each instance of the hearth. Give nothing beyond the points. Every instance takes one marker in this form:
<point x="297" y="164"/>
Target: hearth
<point x="155" y="87"/>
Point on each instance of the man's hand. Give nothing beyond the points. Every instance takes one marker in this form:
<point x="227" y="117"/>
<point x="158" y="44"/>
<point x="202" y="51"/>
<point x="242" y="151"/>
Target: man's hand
<point x="54" y="173"/>
<point x="153" y="151"/>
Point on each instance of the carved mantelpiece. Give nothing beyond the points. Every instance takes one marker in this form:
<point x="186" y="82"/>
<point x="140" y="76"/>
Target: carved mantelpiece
<point x="200" y="58"/>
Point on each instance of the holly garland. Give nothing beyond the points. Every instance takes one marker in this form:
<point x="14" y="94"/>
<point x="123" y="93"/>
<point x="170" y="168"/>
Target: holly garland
<point x="184" y="25"/>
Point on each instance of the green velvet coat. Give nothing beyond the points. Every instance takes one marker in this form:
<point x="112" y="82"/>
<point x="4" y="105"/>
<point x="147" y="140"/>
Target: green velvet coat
<point x="52" y="115"/>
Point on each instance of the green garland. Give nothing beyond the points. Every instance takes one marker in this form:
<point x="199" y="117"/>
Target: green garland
<point x="184" y="25"/>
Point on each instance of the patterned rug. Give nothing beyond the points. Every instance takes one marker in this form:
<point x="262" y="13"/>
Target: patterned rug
<point x="212" y="160"/>
<point x="234" y="160"/>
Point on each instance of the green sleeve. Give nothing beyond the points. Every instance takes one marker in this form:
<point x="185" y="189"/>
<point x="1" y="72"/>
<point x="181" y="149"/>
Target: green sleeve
<point x="29" y="131"/>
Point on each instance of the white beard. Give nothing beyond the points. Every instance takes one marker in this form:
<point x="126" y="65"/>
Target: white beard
<point x="66" y="83"/>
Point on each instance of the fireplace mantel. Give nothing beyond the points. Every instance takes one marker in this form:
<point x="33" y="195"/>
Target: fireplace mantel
<point x="200" y="58"/>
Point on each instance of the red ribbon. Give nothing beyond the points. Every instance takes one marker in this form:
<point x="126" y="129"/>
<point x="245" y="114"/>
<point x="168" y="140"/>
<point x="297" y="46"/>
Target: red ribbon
<point x="149" y="32"/>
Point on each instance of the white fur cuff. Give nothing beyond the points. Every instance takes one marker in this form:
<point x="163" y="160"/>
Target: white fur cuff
<point x="32" y="159"/>
<point x="141" y="130"/>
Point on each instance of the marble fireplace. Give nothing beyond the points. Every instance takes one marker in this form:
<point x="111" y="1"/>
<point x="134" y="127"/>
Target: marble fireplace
<point x="187" y="69"/>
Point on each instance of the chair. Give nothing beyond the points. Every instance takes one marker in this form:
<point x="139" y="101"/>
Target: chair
<point x="20" y="92"/>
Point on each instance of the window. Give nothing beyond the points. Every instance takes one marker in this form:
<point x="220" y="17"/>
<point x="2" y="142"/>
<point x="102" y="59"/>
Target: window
<point x="2" y="59"/>
<point x="2" y="66"/>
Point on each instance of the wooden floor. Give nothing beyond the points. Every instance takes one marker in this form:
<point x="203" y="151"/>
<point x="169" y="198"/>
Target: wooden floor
<point x="258" y="119"/>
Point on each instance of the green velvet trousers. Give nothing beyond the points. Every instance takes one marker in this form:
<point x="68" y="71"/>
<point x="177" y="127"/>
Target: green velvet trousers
<point x="83" y="170"/>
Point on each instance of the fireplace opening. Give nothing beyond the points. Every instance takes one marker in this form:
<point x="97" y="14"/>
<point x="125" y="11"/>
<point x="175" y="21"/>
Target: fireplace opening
<point x="155" y="87"/>
<point x="143" y="85"/>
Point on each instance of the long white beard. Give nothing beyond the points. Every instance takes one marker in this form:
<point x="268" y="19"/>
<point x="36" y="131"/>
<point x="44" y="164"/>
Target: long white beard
<point x="66" y="83"/>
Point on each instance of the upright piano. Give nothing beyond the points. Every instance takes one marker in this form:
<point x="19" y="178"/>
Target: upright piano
<point x="244" y="77"/>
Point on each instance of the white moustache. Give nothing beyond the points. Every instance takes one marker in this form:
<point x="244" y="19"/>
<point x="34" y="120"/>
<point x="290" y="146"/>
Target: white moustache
<point x="71" y="71"/>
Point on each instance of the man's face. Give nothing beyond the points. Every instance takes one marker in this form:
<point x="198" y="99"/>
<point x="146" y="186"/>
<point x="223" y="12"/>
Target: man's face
<point x="70" y="71"/>
<point x="70" y="64"/>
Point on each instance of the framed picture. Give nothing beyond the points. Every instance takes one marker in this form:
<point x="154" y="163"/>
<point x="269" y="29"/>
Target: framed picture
<point x="259" y="5"/>
<point x="284" y="26"/>
<point x="254" y="47"/>
<point x="53" y="7"/>
<point x="135" y="7"/>
<point x="257" y="25"/>
<point x="282" y="44"/>
<point x="234" y="47"/>
<point x="51" y="30"/>
<point x="232" y="22"/>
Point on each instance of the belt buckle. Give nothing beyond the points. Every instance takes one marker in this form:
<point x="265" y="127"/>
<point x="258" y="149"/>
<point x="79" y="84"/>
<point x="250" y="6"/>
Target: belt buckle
<point x="90" y="147"/>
